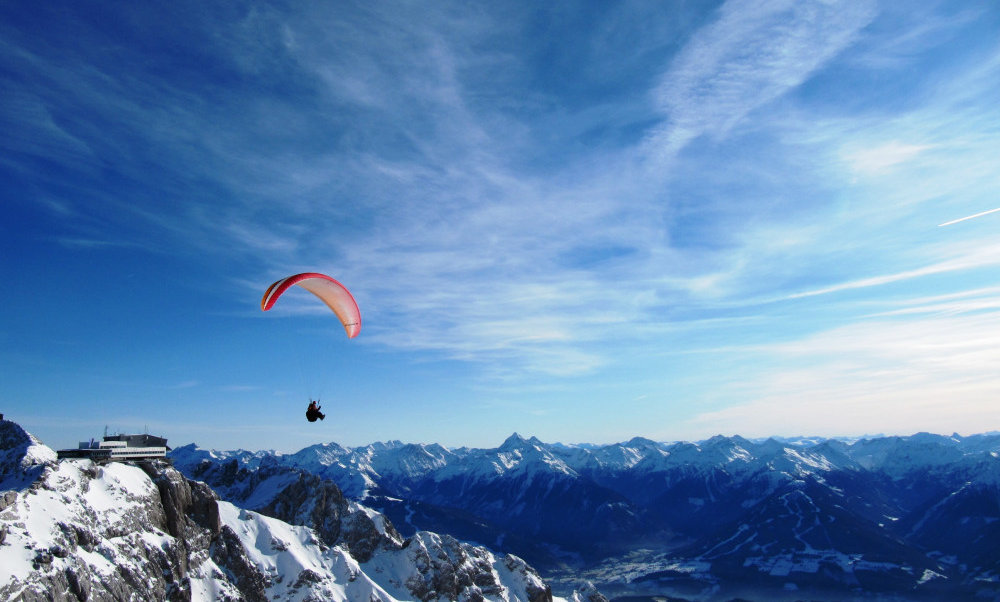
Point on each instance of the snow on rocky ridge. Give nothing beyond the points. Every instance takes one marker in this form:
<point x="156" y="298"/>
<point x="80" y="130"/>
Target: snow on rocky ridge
<point x="76" y="530"/>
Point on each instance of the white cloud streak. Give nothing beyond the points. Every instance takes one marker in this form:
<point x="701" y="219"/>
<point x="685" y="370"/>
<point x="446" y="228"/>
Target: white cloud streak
<point x="885" y="156"/>
<point x="962" y="219"/>
<point x="974" y="259"/>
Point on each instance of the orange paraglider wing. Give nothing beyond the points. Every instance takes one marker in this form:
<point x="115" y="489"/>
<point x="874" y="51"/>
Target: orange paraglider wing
<point x="334" y="294"/>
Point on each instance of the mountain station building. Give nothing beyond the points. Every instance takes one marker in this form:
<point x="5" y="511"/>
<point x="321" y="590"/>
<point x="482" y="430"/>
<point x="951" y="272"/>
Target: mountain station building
<point x="119" y="448"/>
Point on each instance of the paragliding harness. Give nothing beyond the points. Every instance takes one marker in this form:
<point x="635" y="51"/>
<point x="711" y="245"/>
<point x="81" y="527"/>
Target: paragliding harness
<point x="312" y="413"/>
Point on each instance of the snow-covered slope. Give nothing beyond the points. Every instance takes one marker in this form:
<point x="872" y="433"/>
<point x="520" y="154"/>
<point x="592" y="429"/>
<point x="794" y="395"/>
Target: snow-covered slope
<point x="74" y="530"/>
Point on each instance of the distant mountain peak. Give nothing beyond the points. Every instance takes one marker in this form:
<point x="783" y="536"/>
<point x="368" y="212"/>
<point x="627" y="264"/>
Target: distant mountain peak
<point x="640" y="442"/>
<point x="514" y="442"/>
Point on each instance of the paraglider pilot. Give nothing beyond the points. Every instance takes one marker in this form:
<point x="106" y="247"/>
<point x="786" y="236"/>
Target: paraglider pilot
<point x="312" y="413"/>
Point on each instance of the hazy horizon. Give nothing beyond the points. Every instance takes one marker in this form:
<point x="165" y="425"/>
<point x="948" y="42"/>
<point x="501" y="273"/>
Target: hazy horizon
<point x="792" y="439"/>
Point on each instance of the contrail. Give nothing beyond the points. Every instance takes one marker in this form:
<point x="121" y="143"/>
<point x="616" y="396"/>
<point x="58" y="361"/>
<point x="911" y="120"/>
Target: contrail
<point x="962" y="219"/>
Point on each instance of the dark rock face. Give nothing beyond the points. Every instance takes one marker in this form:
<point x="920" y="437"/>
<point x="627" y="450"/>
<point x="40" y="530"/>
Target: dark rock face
<point x="228" y="552"/>
<point x="311" y="502"/>
<point x="79" y="587"/>
<point x="204" y="509"/>
<point x="185" y="503"/>
<point x="364" y="535"/>
<point x="175" y="495"/>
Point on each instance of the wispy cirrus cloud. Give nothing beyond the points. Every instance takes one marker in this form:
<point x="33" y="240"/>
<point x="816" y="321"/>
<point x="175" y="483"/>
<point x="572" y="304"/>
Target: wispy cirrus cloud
<point x="979" y="257"/>
<point x="384" y="165"/>
<point x="751" y="55"/>
<point x="885" y="156"/>
<point x="516" y="232"/>
<point x="968" y="217"/>
<point x="185" y="384"/>
<point x="959" y="302"/>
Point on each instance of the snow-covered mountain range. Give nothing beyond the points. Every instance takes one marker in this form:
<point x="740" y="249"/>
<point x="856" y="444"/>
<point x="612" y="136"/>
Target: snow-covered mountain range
<point x="916" y="517"/>
<point x="76" y="530"/>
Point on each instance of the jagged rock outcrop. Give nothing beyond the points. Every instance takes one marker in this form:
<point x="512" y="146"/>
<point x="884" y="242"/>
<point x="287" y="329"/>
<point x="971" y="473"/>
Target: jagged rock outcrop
<point x="319" y="504"/>
<point x="228" y="552"/>
<point x="185" y="503"/>
<point x="23" y="459"/>
<point x="587" y="592"/>
<point x="445" y="568"/>
<point x="536" y="589"/>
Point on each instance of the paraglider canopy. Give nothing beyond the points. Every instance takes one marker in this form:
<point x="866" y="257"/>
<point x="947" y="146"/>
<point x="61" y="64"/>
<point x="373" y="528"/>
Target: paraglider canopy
<point x="334" y="294"/>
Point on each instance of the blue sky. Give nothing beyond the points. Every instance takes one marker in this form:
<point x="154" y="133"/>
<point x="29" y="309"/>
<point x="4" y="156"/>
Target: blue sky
<point x="579" y="221"/>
